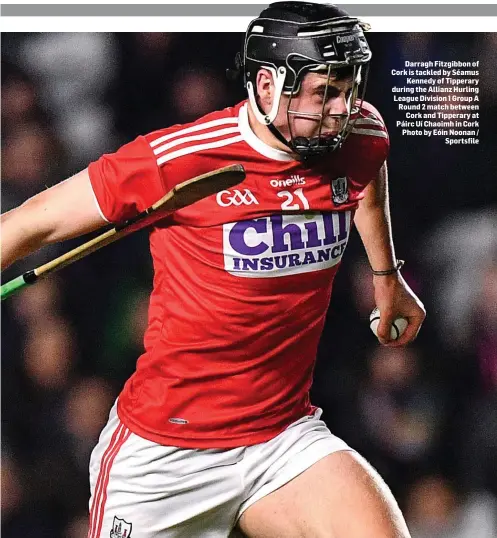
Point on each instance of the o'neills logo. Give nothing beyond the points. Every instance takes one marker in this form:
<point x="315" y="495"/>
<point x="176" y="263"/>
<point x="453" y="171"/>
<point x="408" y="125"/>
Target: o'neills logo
<point x="345" y="38"/>
<point x="292" y="180"/>
<point x="282" y="245"/>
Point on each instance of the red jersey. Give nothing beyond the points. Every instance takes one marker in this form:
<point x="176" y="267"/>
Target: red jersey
<point x="242" y="279"/>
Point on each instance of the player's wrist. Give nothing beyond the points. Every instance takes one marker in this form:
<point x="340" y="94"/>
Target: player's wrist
<point x="390" y="271"/>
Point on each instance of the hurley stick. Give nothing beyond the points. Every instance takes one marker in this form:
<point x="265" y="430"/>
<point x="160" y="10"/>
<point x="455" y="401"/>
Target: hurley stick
<point x="182" y="195"/>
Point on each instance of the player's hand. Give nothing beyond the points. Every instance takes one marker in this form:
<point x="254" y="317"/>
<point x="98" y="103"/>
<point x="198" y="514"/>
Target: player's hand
<point x="395" y="298"/>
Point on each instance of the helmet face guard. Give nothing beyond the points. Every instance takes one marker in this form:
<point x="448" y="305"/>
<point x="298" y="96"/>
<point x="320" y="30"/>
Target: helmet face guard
<point x="321" y="143"/>
<point x="291" y="39"/>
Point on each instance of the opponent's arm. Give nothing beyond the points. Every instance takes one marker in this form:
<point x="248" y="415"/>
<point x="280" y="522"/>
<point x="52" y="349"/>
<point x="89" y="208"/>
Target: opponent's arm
<point x="64" y="211"/>
<point x="392" y="294"/>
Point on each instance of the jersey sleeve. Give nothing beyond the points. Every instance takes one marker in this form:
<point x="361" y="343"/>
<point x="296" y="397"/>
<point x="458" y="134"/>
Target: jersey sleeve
<point x="127" y="181"/>
<point x="372" y="132"/>
<point x="366" y="148"/>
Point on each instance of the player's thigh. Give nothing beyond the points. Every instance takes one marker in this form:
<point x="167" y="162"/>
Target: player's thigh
<point x="340" y="496"/>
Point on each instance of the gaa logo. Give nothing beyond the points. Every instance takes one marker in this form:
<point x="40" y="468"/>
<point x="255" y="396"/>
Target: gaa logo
<point x="236" y="198"/>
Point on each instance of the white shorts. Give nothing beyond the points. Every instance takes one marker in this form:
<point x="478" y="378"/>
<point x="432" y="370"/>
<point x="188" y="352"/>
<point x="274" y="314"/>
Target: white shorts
<point x="140" y="489"/>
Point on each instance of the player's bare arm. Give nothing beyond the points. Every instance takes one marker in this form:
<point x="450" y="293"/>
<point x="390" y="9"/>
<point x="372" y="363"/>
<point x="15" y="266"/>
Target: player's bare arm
<point x="393" y="296"/>
<point x="64" y="211"/>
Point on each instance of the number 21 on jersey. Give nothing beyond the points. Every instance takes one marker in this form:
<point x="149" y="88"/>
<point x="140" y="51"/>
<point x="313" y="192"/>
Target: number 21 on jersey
<point x="298" y="196"/>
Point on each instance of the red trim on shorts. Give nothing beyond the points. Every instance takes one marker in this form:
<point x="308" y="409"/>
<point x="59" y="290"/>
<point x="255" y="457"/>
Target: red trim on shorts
<point x="104" y="500"/>
<point x="119" y="437"/>
<point x="93" y="510"/>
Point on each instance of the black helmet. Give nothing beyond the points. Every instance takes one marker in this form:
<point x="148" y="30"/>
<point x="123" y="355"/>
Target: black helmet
<point x="293" y="38"/>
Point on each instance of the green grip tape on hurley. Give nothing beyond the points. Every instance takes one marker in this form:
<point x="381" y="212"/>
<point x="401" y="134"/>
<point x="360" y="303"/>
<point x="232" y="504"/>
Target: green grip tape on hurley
<point x="12" y="286"/>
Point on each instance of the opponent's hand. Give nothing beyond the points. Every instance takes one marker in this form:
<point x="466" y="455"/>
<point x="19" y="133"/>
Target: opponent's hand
<point x="395" y="298"/>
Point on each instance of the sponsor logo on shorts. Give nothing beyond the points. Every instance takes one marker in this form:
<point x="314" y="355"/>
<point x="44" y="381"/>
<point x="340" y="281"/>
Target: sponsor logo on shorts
<point x="292" y="180"/>
<point x="282" y="245"/>
<point x="236" y="198"/>
<point x="120" y="528"/>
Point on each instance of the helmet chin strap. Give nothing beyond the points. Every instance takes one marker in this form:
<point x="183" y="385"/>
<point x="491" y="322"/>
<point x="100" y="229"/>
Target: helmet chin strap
<point x="274" y="131"/>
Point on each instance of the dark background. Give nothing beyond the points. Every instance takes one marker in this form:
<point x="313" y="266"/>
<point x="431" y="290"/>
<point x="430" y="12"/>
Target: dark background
<point x="425" y="416"/>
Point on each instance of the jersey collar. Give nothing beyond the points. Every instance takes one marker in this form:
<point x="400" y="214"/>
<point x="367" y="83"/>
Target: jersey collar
<point x="255" y="142"/>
